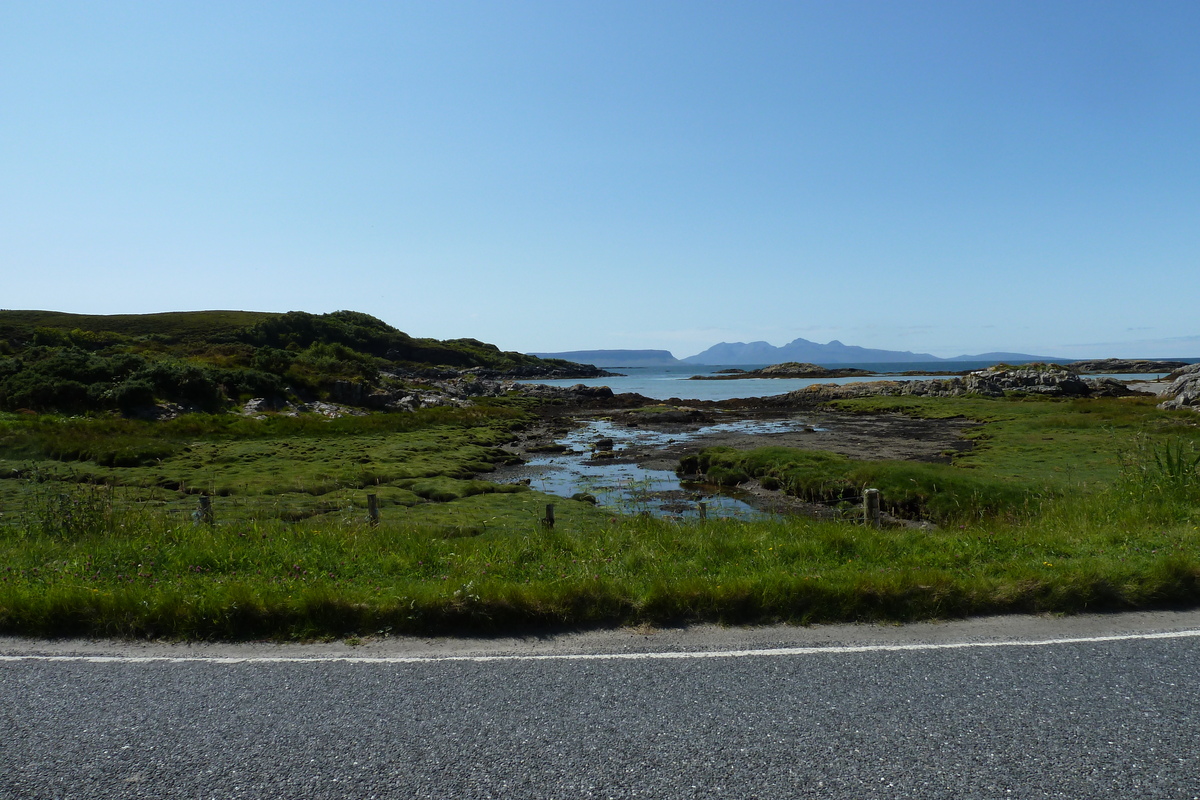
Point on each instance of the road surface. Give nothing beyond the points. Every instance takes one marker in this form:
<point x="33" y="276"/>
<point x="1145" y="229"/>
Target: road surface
<point x="1085" y="707"/>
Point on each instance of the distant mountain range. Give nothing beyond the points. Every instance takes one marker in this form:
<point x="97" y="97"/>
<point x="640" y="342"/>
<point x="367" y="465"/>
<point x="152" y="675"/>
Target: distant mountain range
<point x="734" y="353"/>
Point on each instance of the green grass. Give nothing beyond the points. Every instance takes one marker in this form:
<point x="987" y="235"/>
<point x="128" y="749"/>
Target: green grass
<point x="485" y="563"/>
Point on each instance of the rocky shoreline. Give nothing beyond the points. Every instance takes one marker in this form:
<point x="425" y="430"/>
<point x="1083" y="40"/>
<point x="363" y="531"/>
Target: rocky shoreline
<point x="794" y="369"/>
<point x="1100" y="366"/>
<point x="462" y="388"/>
<point x="1184" y="390"/>
<point x="1047" y="380"/>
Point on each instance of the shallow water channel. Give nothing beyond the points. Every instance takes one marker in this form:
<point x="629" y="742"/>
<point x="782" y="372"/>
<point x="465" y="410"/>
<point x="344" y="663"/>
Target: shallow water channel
<point x="626" y="487"/>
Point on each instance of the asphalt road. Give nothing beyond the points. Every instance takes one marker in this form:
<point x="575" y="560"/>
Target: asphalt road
<point x="983" y="709"/>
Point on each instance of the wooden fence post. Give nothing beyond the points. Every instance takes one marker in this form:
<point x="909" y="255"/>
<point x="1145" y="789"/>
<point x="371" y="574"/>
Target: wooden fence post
<point x="871" y="507"/>
<point x="373" y="509"/>
<point x="703" y="510"/>
<point x="204" y="511"/>
<point x="549" y="520"/>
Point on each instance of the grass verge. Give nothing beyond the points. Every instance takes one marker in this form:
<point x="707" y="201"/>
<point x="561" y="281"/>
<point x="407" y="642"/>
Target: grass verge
<point x="484" y="563"/>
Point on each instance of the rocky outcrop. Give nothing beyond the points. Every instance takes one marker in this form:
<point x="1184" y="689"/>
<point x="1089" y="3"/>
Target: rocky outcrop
<point x="524" y="373"/>
<point x="259" y="406"/>
<point x="1049" y="380"/>
<point x="462" y="391"/>
<point x="664" y="412"/>
<point x="578" y="392"/>
<point x="396" y="392"/>
<point x="1045" y="379"/>
<point x="1107" y="387"/>
<point x="1184" y="391"/>
<point x="1124" y="365"/>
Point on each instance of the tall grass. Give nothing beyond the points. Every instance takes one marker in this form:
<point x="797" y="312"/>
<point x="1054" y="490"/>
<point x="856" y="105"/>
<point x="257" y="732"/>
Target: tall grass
<point x="1162" y="471"/>
<point x="86" y="565"/>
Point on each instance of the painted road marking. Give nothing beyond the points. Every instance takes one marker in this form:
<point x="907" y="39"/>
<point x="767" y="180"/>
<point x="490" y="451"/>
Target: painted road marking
<point x="676" y="654"/>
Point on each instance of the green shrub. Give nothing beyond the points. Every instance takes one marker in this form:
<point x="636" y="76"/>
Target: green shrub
<point x="132" y="393"/>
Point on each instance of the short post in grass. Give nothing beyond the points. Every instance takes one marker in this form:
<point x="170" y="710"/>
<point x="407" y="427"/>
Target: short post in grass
<point x="204" y="510"/>
<point x="373" y="509"/>
<point x="871" y="507"/>
<point x="548" y="520"/>
<point x="703" y="510"/>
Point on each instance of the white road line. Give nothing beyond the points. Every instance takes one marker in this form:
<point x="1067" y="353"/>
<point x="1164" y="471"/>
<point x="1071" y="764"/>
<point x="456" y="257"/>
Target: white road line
<point x="680" y="654"/>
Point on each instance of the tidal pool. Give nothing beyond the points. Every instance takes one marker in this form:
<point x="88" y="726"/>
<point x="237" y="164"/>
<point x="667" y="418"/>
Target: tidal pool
<point x="629" y="488"/>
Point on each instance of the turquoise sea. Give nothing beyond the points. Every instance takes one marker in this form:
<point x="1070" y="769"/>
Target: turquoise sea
<point x="666" y="383"/>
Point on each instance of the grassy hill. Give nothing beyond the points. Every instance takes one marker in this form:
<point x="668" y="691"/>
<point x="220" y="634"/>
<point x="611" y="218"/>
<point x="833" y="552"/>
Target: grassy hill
<point x="175" y="325"/>
<point x="52" y="361"/>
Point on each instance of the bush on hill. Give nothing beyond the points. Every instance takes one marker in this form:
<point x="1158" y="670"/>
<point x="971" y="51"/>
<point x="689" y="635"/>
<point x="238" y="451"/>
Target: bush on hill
<point x="73" y="380"/>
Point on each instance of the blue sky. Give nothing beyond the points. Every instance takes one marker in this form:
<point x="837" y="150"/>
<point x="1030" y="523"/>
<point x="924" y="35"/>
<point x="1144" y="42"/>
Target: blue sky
<point x="945" y="177"/>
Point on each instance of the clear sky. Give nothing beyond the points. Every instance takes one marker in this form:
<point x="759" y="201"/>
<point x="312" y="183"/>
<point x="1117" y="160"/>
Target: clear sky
<point x="946" y="177"/>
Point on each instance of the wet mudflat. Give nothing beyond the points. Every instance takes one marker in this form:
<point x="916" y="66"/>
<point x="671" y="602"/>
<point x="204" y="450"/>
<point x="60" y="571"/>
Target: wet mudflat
<point x="627" y="460"/>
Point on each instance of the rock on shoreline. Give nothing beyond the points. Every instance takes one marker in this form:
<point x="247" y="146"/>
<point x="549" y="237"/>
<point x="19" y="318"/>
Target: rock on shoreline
<point x="1049" y="380"/>
<point x="1103" y="365"/>
<point x="1184" y="391"/>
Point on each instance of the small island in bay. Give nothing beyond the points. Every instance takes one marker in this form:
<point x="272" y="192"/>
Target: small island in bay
<point x="789" y="369"/>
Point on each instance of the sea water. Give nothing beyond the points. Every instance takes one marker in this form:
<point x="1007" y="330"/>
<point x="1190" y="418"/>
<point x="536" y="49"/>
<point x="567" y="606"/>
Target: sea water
<point x="665" y="383"/>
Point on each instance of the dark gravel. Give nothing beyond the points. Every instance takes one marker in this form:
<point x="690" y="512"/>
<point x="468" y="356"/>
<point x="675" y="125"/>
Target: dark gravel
<point x="1096" y="720"/>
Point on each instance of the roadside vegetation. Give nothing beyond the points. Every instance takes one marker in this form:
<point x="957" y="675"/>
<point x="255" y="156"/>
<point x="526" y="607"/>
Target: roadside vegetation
<point x="85" y="563"/>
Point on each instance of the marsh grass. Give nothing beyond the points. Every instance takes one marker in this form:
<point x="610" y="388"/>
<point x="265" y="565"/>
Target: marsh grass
<point x="299" y="465"/>
<point x="909" y="489"/>
<point x="120" y="442"/>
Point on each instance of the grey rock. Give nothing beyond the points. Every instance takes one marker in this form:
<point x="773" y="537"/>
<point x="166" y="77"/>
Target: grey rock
<point x="1107" y="387"/>
<point x="1124" y="365"/>
<point x="1184" y="391"/>
<point x="1050" y="380"/>
<point x="259" y="406"/>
